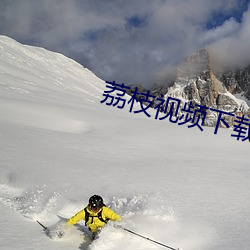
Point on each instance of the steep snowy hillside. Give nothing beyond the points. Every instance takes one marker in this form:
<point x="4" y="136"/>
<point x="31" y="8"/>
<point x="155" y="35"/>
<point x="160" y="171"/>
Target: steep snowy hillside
<point x="39" y="76"/>
<point x="59" y="145"/>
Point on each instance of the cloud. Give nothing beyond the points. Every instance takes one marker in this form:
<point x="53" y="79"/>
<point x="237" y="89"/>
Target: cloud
<point x="228" y="28"/>
<point x="126" y="41"/>
<point x="233" y="49"/>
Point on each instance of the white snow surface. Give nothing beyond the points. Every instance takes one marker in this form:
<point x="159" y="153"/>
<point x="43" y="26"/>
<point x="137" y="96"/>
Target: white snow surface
<point x="59" y="145"/>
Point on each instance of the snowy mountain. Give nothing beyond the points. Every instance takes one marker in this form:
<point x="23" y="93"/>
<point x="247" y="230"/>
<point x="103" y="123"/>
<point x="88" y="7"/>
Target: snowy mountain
<point x="198" y="81"/>
<point x="60" y="145"/>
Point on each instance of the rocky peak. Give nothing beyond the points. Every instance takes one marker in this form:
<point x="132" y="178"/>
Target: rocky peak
<point x="196" y="82"/>
<point x="197" y="64"/>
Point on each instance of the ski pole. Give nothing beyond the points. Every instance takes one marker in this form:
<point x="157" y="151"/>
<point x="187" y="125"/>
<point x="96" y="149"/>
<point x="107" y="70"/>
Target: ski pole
<point x="146" y="238"/>
<point x="45" y="228"/>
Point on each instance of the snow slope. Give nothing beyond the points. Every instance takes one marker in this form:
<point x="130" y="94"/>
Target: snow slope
<point x="59" y="145"/>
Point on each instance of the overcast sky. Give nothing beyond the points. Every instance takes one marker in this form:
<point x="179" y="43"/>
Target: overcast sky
<point x="131" y="41"/>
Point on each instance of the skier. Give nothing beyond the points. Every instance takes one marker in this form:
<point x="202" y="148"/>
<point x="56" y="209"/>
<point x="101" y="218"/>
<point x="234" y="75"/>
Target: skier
<point x="95" y="214"/>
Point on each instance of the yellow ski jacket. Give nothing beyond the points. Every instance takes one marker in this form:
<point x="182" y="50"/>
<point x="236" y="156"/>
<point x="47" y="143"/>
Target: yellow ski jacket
<point x="94" y="223"/>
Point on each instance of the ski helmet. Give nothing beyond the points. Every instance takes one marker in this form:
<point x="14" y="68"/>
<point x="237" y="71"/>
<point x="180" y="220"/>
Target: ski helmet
<point x="95" y="202"/>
